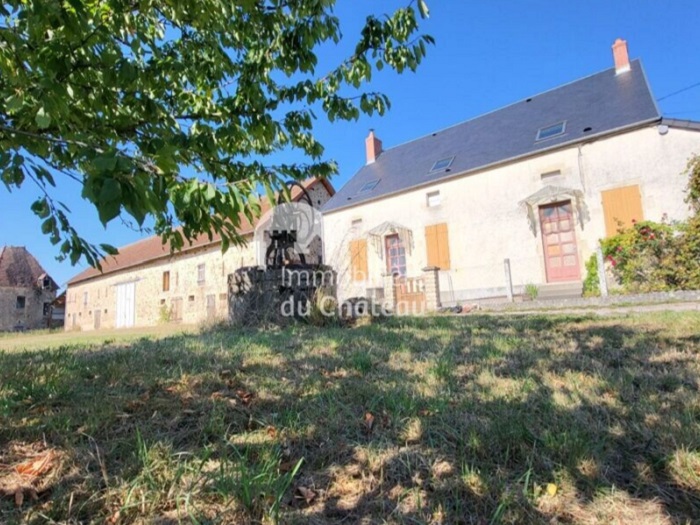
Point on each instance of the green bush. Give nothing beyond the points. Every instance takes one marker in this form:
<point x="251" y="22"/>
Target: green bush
<point x="658" y="256"/>
<point x="591" y="285"/>
<point x="641" y="256"/>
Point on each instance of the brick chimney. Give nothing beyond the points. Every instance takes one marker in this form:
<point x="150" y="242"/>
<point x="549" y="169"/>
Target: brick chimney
<point x="622" y="58"/>
<point x="373" y="147"/>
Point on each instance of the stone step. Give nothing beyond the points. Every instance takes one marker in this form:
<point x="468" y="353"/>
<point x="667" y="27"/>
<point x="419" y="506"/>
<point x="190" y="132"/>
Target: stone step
<point x="560" y="290"/>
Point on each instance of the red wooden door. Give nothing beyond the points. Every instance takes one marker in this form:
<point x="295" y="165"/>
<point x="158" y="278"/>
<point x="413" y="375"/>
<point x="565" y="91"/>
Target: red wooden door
<point x="559" y="242"/>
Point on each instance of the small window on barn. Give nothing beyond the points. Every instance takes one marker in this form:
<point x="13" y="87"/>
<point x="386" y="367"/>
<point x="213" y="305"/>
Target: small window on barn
<point x="369" y="186"/>
<point x="433" y="199"/>
<point x="85" y="298"/>
<point x="166" y="281"/>
<point x="191" y="298"/>
<point x="21" y="302"/>
<point x="201" y="276"/>
<point x="551" y="131"/>
<point x="442" y="164"/>
<point x="47" y="309"/>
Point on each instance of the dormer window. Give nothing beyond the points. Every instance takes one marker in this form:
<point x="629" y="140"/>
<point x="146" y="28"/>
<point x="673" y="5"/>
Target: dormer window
<point x="551" y="131"/>
<point x="442" y="164"/>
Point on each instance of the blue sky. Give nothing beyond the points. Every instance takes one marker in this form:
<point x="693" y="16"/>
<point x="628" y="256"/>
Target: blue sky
<point x="487" y="54"/>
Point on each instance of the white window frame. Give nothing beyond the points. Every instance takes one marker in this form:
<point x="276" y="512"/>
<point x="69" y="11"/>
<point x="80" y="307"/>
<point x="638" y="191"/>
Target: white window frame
<point x="433" y="199"/>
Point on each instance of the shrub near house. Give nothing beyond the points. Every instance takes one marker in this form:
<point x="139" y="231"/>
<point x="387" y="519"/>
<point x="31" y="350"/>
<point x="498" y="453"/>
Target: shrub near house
<point x="659" y="256"/>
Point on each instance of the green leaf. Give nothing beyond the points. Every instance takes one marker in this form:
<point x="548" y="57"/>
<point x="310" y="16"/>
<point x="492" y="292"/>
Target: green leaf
<point x="108" y="211"/>
<point x="210" y="192"/>
<point x="48" y="226"/>
<point x="109" y="249"/>
<point x="105" y="163"/>
<point x="42" y="119"/>
<point x="111" y="191"/>
<point x="423" y="8"/>
<point x="14" y="104"/>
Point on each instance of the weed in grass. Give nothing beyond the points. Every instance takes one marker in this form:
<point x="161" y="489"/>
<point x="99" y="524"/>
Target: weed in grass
<point x="361" y="361"/>
<point x="255" y="480"/>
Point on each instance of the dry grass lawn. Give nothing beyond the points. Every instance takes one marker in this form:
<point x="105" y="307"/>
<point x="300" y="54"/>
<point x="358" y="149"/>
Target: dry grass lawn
<point x="473" y="420"/>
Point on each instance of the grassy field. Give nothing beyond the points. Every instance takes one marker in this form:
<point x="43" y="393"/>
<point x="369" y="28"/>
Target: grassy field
<point x="479" y="420"/>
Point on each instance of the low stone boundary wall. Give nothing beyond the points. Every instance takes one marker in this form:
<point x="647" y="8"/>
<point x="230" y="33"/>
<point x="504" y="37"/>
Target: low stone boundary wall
<point x="611" y="300"/>
<point x="258" y="295"/>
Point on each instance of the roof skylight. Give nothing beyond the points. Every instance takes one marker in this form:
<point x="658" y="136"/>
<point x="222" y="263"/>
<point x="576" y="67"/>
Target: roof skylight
<point x="551" y="131"/>
<point x="369" y="186"/>
<point x="442" y="164"/>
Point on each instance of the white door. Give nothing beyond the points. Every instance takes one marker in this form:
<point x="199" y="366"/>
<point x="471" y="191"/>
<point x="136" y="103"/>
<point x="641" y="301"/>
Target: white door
<point x="126" y="295"/>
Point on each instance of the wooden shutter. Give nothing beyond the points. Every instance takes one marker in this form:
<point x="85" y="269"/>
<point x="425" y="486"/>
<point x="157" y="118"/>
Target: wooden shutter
<point x="621" y="204"/>
<point x="166" y="281"/>
<point x="438" y="246"/>
<point x="358" y="259"/>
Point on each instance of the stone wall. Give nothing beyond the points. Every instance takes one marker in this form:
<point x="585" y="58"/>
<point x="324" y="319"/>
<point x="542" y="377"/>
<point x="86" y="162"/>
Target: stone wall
<point x="92" y="304"/>
<point x="258" y="296"/>
<point x="31" y="317"/>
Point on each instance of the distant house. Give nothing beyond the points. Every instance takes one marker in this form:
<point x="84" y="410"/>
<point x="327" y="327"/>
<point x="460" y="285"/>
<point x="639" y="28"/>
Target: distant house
<point x="26" y="291"/>
<point x="58" y="311"/>
<point x="537" y="183"/>
<point x="145" y="284"/>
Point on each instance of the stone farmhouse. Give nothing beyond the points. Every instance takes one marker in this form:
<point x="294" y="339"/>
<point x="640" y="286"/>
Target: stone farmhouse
<point x="146" y="284"/>
<point x="26" y="291"/>
<point x="533" y="186"/>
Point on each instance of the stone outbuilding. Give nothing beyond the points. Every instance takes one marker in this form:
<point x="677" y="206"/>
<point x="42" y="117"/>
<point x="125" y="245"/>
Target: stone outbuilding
<point x="26" y="291"/>
<point x="146" y="284"/>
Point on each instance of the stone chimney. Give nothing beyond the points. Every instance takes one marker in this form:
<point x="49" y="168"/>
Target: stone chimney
<point x="622" y="58"/>
<point x="373" y="147"/>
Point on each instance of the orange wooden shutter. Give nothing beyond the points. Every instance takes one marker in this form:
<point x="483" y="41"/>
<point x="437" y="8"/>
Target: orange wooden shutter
<point x="443" y="247"/>
<point x="621" y="205"/>
<point x="358" y="259"/>
<point x="438" y="246"/>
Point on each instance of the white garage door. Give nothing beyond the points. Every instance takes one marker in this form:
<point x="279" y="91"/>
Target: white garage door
<point x="126" y="299"/>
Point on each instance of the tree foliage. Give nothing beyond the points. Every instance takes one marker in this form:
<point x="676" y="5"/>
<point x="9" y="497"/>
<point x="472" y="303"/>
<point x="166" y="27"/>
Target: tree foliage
<point x="169" y="108"/>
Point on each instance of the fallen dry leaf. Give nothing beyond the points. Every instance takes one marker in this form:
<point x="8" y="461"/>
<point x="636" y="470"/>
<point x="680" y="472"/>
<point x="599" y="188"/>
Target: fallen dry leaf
<point x="38" y="466"/>
<point x="271" y="431"/>
<point x="369" y="421"/>
<point x="287" y="466"/>
<point x="245" y="396"/>
<point x="306" y="494"/>
<point x="19" y="497"/>
<point x="552" y="489"/>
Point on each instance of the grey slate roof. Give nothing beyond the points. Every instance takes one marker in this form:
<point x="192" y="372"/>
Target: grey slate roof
<point x="604" y="102"/>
